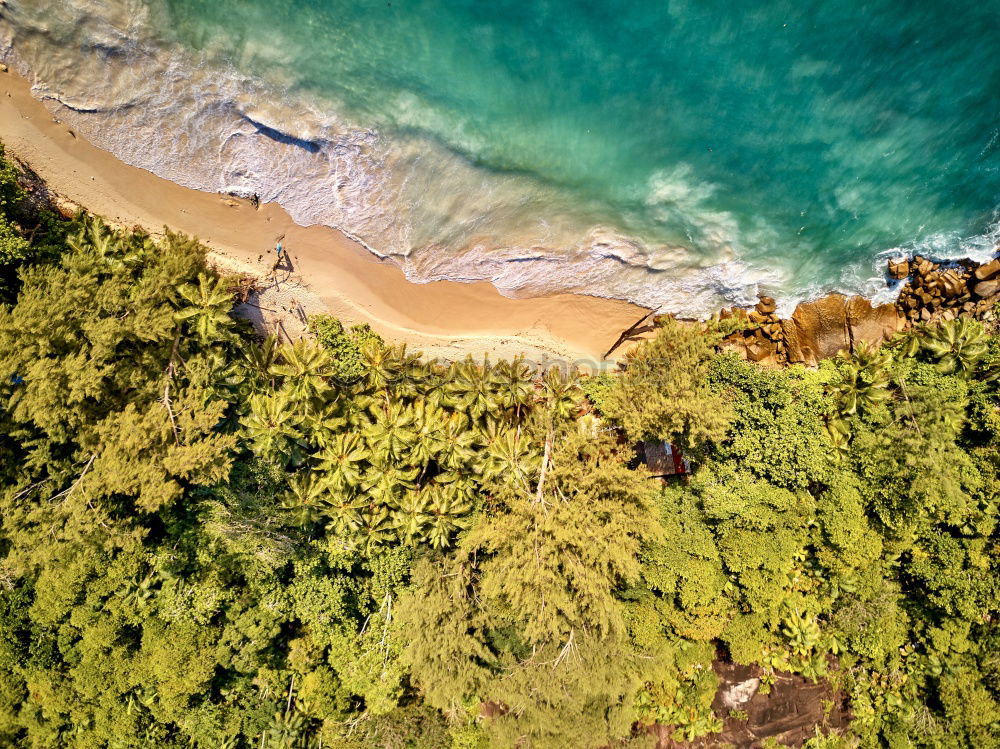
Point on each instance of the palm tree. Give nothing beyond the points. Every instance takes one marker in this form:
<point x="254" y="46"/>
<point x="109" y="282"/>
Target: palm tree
<point x="93" y="233"/>
<point x="472" y="388"/>
<point x="376" y="526"/>
<point x="386" y="366"/>
<point x="207" y="307"/>
<point x="840" y="434"/>
<point x="458" y="444"/>
<point x="227" y="380"/>
<point x="447" y="511"/>
<point x="514" y="389"/>
<point x="307" y="369"/>
<point x="411" y="516"/>
<point x="287" y="731"/>
<point x="429" y="421"/>
<point x="864" y="381"/>
<point x="272" y="427"/>
<point x="257" y="359"/>
<point x="385" y="485"/>
<point x="433" y="386"/>
<point x="392" y="433"/>
<point x="344" y="511"/>
<point x="958" y="345"/>
<point x="490" y="431"/>
<point x="305" y="500"/>
<point x="117" y="249"/>
<point x="562" y="393"/>
<point x="343" y="460"/>
<point x="357" y="408"/>
<point x="323" y="422"/>
<point x="413" y="375"/>
<point x="510" y="459"/>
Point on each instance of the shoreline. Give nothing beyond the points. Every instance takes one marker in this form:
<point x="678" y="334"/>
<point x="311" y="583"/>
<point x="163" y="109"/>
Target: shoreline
<point x="331" y="273"/>
<point x="328" y="272"/>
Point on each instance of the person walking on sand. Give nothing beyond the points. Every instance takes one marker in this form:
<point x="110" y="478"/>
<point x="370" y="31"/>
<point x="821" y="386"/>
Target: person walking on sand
<point x="278" y="249"/>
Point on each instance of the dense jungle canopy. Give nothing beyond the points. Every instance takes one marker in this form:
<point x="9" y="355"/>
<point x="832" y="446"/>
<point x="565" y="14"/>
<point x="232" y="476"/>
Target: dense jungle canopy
<point x="212" y="540"/>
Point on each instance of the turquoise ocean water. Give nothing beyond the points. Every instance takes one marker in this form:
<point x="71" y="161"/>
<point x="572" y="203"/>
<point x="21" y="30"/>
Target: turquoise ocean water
<point x="674" y="152"/>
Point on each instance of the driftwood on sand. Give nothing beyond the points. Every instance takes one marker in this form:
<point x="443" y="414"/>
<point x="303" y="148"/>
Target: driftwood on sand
<point x="636" y="329"/>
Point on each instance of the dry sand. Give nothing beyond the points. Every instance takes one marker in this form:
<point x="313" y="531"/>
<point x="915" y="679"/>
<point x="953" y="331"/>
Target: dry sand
<point x="330" y="272"/>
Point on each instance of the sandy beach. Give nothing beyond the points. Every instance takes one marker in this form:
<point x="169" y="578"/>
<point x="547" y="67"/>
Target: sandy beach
<point x="329" y="271"/>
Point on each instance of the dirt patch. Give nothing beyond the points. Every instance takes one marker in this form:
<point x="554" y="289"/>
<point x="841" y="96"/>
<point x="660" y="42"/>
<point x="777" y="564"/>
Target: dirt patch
<point x="789" y="713"/>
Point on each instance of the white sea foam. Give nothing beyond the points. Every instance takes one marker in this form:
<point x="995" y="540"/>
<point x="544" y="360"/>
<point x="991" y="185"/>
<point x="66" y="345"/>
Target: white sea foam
<point x="204" y="124"/>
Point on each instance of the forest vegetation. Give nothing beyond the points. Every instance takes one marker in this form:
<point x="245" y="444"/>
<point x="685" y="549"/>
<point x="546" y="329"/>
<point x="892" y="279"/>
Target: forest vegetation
<point x="212" y="540"/>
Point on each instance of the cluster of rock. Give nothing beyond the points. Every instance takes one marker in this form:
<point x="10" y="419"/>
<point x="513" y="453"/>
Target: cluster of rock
<point x="763" y="338"/>
<point x="834" y="323"/>
<point x="815" y="331"/>
<point x="935" y="293"/>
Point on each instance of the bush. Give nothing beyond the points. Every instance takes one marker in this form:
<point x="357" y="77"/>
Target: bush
<point x="597" y="388"/>
<point x="17" y="244"/>
<point x="345" y="345"/>
<point x="778" y="431"/>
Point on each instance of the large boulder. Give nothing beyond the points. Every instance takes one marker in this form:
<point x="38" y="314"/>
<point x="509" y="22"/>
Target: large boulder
<point x="987" y="289"/>
<point x="899" y="269"/>
<point x="821" y="329"/>
<point x="766" y="306"/>
<point x="922" y="266"/>
<point x="735" y="344"/>
<point x="872" y="325"/>
<point x="66" y="207"/>
<point x="761" y="351"/>
<point x="817" y="329"/>
<point x="951" y="284"/>
<point x="988" y="271"/>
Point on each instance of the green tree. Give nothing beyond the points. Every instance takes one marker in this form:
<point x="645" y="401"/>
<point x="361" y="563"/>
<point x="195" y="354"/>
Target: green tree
<point x="863" y="385"/>
<point x="344" y="345"/>
<point x="958" y="346"/>
<point x="664" y="391"/>
<point x="306" y="370"/>
<point x="205" y="307"/>
<point x="777" y="429"/>
<point x="533" y="590"/>
<point x="29" y="230"/>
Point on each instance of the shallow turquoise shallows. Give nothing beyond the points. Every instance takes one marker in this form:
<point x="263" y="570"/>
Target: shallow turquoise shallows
<point x="808" y="135"/>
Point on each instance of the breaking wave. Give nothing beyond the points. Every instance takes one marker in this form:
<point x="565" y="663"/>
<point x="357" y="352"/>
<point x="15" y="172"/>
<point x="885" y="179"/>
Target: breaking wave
<point x="677" y="240"/>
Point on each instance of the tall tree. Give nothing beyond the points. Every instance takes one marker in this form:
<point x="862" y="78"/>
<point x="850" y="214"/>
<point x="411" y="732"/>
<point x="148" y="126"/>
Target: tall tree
<point x="527" y="616"/>
<point x="664" y="392"/>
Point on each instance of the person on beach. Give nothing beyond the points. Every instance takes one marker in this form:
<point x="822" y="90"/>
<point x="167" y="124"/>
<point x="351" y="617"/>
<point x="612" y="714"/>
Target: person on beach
<point x="277" y="261"/>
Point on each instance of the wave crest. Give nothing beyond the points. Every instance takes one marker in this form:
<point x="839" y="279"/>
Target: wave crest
<point x="202" y="123"/>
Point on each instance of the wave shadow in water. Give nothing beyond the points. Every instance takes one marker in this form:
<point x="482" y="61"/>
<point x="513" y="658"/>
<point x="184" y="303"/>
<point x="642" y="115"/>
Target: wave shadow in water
<point x="285" y="138"/>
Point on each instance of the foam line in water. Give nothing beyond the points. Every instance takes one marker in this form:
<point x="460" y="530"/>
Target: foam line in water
<point x="664" y="222"/>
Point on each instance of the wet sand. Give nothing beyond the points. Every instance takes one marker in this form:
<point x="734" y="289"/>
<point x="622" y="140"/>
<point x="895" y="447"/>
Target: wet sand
<point x="335" y="274"/>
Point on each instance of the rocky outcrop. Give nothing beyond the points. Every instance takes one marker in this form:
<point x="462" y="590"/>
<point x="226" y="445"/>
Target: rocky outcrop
<point x="822" y="328"/>
<point x="66" y="207"/>
<point x="988" y="271"/>
<point x="790" y="712"/>
<point x="987" y="289"/>
<point x="815" y="330"/>
<point x="934" y="292"/>
<point x="869" y="324"/>
<point x="899" y="269"/>
<point x="763" y="339"/>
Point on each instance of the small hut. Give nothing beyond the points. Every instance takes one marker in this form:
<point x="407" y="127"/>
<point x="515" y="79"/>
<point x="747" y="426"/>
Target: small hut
<point x="664" y="459"/>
